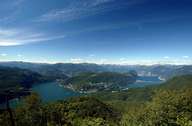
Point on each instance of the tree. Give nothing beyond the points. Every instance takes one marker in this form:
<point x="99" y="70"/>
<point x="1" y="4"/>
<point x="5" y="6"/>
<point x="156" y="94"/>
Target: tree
<point x="168" y="108"/>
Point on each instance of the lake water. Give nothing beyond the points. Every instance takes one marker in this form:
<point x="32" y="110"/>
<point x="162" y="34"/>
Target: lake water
<point x="145" y="81"/>
<point x="53" y="91"/>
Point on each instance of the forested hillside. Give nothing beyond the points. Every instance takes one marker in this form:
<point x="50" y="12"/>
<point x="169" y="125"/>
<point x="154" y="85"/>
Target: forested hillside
<point x="165" y="105"/>
<point x="15" y="77"/>
<point x="100" y="81"/>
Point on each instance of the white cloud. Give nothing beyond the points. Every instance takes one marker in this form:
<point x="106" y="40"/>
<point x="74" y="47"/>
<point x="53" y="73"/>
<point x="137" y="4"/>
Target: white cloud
<point x="76" y="60"/>
<point x="166" y="57"/>
<point x="84" y="8"/>
<point x="7" y="32"/>
<point x="149" y="61"/>
<point x="172" y="61"/>
<point x="84" y="60"/>
<point x="122" y="59"/>
<point x="19" y="55"/>
<point x="102" y="61"/>
<point x="8" y="43"/>
<point x="3" y="54"/>
<point x="186" y="57"/>
<point x="14" y="42"/>
<point x="99" y="2"/>
<point x="16" y="37"/>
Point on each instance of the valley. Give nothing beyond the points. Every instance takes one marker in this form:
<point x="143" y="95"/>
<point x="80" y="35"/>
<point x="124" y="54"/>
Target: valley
<point x="113" y="93"/>
<point x="95" y="63"/>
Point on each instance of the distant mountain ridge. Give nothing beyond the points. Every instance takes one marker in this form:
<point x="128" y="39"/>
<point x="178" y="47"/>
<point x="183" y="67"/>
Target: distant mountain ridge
<point x="62" y="70"/>
<point x="68" y="69"/>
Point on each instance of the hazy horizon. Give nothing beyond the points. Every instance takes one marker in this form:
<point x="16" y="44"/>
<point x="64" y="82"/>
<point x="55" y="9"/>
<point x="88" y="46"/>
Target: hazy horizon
<point x="125" y="64"/>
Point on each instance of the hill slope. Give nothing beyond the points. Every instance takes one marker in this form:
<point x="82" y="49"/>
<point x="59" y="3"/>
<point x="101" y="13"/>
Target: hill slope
<point x="178" y="82"/>
<point x="145" y="94"/>
<point x="82" y="111"/>
<point x="12" y="77"/>
<point x="100" y="81"/>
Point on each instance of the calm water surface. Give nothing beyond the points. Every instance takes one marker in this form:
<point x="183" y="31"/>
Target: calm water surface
<point x="53" y="91"/>
<point x="145" y="81"/>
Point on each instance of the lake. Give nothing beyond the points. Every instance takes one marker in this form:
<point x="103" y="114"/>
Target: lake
<point x="53" y="91"/>
<point x="143" y="81"/>
<point x="48" y="92"/>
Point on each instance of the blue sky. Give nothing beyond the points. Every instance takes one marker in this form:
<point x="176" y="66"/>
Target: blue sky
<point x="96" y="31"/>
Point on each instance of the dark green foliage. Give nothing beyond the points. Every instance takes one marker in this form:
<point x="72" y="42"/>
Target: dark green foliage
<point x="178" y="82"/>
<point x="167" y="105"/>
<point x="51" y="73"/>
<point x="145" y="94"/>
<point x="131" y="95"/>
<point x="168" y="108"/>
<point x="89" y="80"/>
<point x="73" y="112"/>
<point x="91" y="107"/>
<point x="13" y="77"/>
